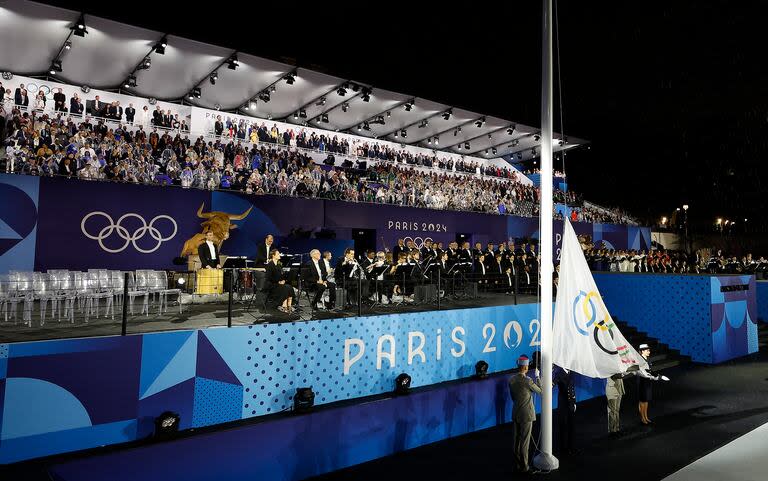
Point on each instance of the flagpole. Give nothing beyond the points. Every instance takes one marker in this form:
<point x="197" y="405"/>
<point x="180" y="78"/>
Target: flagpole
<point x="545" y="460"/>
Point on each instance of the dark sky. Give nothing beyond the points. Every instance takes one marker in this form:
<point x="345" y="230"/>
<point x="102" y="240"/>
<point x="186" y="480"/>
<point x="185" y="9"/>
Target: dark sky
<point x="673" y="95"/>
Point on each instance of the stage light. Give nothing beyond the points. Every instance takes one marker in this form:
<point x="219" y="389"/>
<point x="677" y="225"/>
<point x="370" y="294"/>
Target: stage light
<point x="397" y="134"/>
<point x="486" y="151"/>
<point x="366" y="95"/>
<point x="429" y="141"/>
<point x="303" y="114"/>
<point x="494" y="151"/>
<point x="481" y="369"/>
<point x="366" y="126"/>
<point x="355" y="87"/>
<point x="252" y="104"/>
<point x="402" y="384"/>
<point x="466" y="145"/>
<point x="160" y="46"/>
<point x="214" y="77"/>
<point x="437" y="140"/>
<point x="264" y="96"/>
<point x="67" y="45"/>
<point x="180" y="281"/>
<point x="490" y="136"/>
<point x="511" y="130"/>
<point x="455" y="132"/>
<point x="290" y="78"/>
<point x="55" y="67"/>
<point x="536" y="137"/>
<point x="167" y="424"/>
<point x="359" y="127"/>
<point x="304" y="399"/>
<point x="389" y="114"/>
<point x="217" y="106"/>
<point x="719" y="221"/>
<point x="7" y="76"/>
<point x="519" y="156"/>
<point x="663" y="220"/>
<point x="320" y="102"/>
<point x="233" y="63"/>
<point x="480" y="122"/>
<point x="295" y="115"/>
<point x="447" y="115"/>
<point x="404" y="133"/>
<point x="344" y="107"/>
<point x="423" y="123"/>
<point x="324" y="118"/>
<point x="341" y="91"/>
<point x="146" y="64"/>
<point x="79" y="28"/>
<point x="130" y="82"/>
<point x="685" y="206"/>
<point x="197" y="92"/>
<point x="458" y="146"/>
<point x="408" y="106"/>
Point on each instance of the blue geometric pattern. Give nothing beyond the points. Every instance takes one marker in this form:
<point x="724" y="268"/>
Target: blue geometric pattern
<point x="216" y="402"/>
<point x="734" y="329"/>
<point x="180" y="368"/>
<point x="762" y="300"/>
<point x="157" y="353"/>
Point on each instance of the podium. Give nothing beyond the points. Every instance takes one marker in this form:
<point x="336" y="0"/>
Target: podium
<point x="209" y="281"/>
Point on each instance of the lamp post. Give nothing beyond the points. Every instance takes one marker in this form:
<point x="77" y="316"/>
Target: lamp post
<point x="685" y="227"/>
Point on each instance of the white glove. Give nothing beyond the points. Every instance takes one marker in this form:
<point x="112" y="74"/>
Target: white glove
<point x="664" y="378"/>
<point x="537" y="373"/>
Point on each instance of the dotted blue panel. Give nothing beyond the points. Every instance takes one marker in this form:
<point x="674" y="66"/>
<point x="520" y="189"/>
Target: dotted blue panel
<point x="215" y="402"/>
<point x="762" y="300"/>
<point x="674" y="309"/>
<point x="271" y="361"/>
<point x="3" y="351"/>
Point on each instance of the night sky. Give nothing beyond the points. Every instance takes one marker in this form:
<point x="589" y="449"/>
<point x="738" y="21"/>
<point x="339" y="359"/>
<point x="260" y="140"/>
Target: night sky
<point x="672" y="95"/>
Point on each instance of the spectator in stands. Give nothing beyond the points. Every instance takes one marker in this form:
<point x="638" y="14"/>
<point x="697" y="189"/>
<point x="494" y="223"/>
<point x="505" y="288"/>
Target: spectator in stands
<point x="59" y="101"/>
<point x="40" y="101"/>
<point x="75" y="105"/>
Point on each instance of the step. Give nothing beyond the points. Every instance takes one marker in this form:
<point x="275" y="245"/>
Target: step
<point x="666" y="364"/>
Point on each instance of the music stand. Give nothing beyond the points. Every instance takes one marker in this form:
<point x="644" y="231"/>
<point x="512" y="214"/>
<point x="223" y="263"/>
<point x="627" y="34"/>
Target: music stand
<point x="375" y="273"/>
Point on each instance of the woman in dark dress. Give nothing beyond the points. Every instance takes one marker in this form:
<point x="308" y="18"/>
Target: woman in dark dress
<point x="278" y="291"/>
<point x="645" y="378"/>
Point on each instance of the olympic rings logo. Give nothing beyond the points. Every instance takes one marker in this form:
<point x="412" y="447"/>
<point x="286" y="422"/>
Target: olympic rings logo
<point x="418" y="242"/>
<point x="589" y="318"/>
<point x="122" y="232"/>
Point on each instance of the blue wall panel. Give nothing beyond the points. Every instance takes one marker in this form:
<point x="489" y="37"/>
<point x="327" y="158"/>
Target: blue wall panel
<point x="762" y="300"/>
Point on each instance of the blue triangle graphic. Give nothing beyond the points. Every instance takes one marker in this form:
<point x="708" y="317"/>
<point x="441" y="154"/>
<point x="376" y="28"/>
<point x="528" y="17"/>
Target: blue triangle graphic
<point x="157" y="351"/>
<point x="7" y="233"/>
<point x="180" y="368"/>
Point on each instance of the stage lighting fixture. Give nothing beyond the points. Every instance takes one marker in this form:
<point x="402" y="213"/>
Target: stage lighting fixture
<point x="380" y="120"/>
<point x="685" y="206"/>
<point x="295" y="115"/>
<point x="447" y="115"/>
<point x="320" y="102"/>
<point x="408" y="106"/>
<point x="404" y="133"/>
<point x="520" y="156"/>
<point x="7" y="76"/>
<point x="437" y="140"/>
<point x="252" y="105"/>
<point x="402" y="384"/>
<point x="423" y="123"/>
<point x="389" y="114"/>
<point x="536" y="137"/>
<point x="466" y="145"/>
<point x="130" y="82"/>
<point x="429" y="141"/>
<point x="233" y="63"/>
<point x="486" y="151"/>
<point x="359" y="127"/>
<point x="290" y="78"/>
<point x="214" y="77"/>
<point x="458" y="146"/>
<point x="146" y="64"/>
<point x="197" y="92"/>
<point x="355" y="87"/>
<point x="167" y="424"/>
<point x="304" y="399"/>
<point x="324" y="118"/>
<point x="366" y="126"/>
<point x="344" y="107"/>
<point x="180" y="281"/>
<point x="341" y="91"/>
<point x="455" y="132"/>
<point x="511" y="130"/>
<point x="366" y="95"/>
<point x="490" y="136"/>
<point x="55" y="67"/>
<point x="67" y="45"/>
<point x="303" y="114"/>
<point x="479" y="123"/>
<point x="264" y="96"/>
<point x="494" y="151"/>
<point x="160" y="46"/>
<point x="217" y="106"/>
<point x="79" y="28"/>
<point x="273" y="88"/>
<point x="481" y="370"/>
<point x="397" y="134"/>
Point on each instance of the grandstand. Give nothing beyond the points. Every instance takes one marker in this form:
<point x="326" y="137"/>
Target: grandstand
<point x="219" y="265"/>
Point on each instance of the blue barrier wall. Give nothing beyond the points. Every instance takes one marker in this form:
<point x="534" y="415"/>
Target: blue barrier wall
<point x="66" y="395"/>
<point x="298" y="447"/>
<point x="762" y="300"/>
<point x="688" y="313"/>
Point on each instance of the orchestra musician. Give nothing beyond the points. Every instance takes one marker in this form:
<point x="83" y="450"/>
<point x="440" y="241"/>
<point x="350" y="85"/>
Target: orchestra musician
<point x="394" y="277"/>
<point x="209" y="252"/>
<point x="348" y="271"/>
<point x="263" y="250"/>
<point x="318" y="280"/>
<point x="280" y="293"/>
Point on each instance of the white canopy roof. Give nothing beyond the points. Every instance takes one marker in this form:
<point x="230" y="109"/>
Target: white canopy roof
<point x="32" y="35"/>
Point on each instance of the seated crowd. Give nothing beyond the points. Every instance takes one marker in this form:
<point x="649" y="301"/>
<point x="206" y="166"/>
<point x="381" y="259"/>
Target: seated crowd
<point x="155" y="148"/>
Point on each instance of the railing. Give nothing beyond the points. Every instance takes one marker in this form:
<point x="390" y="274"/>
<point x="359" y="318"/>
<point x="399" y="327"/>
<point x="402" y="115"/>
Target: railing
<point x="67" y="304"/>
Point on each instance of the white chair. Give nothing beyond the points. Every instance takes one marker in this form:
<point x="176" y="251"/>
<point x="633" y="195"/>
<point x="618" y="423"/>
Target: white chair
<point x="101" y="281"/>
<point x="137" y="287"/>
<point x="22" y="291"/>
<point x="42" y="290"/>
<point x="64" y="294"/>
<point x="161" y="281"/>
<point x="5" y="295"/>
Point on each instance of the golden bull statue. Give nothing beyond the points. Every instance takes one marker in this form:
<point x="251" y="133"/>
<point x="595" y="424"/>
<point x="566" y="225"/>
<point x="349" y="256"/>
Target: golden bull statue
<point x="220" y="223"/>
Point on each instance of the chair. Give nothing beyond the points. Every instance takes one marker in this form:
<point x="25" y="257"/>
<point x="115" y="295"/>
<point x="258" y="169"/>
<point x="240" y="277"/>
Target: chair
<point x="137" y="287"/>
<point x="43" y="291"/>
<point x="63" y="291"/>
<point x="100" y="287"/>
<point x="5" y="295"/>
<point x="160" y="279"/>
<point x="21" y="288"/>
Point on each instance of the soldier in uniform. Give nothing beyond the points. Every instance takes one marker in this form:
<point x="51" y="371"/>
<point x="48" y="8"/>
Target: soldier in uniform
<point x="614" y="391"/>
<point x="523" y="414"/>
<point x="644" y="387"/>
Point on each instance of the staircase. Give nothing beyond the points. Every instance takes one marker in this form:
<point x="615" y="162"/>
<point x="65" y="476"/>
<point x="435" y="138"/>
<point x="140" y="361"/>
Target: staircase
<point x="762" y="336"/>
<point x="662" y="356"/>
